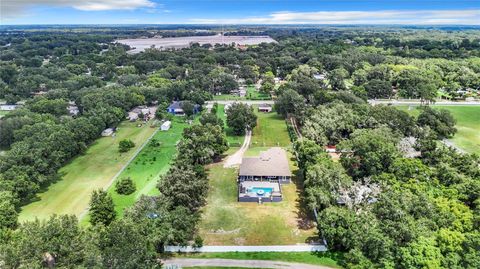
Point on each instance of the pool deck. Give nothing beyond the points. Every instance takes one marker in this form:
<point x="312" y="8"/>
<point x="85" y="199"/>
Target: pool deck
<point x="243" y="196"/>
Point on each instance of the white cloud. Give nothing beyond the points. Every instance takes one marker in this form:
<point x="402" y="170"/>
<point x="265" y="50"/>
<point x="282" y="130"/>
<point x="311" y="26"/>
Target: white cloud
<point x="466" y="17"/>
<point x="14" y="8"/>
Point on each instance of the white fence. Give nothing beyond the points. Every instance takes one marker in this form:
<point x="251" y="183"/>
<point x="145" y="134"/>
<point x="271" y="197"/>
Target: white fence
<point x="286" y="248"/>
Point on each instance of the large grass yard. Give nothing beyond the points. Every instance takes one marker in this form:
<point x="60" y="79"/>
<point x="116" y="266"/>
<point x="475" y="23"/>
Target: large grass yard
<point x="228" y="222"/>
<point x="271" y="131"/>
<point x="149" y="164"/>
<point x="317" y="258"/>
<point x="90" y="171"/>
<point x="468" y="125"/>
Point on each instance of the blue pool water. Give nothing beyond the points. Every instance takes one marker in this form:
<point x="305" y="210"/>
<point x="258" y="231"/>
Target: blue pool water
<point x="266" y="191"/>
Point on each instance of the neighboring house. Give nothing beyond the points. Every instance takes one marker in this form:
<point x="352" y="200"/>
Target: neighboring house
<point x="319" y="76"/>
<point x="242" y="92"/>
<point x="175" y="108"/>
<point x="132" y="116"/>
<point x="166" y="126"/>
<point x="138" y="111"/>
<point x="265" y="108"/>
<point x="108" y="132"/>
<point x="73" y="110"/>
<point x="8" y="107"/>
<point x="260" y="178"/>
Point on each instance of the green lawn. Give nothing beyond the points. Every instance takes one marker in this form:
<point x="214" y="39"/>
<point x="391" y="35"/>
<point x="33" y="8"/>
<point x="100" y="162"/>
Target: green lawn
<point x="228" y="222"/>
<point x="3" y="113"/>
<point x="468" y="125"/>
<point x="233" y="140"/>
<point x="317" y="258"/>
<point x="271" y="130"/>
<point x="253" y="94"/>
<point x="225" y="97"/>
<point x="149" y="164"/>
<point x="85" y="173"/>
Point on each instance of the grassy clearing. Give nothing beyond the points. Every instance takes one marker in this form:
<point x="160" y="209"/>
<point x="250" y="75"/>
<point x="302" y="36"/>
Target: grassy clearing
<point x="149" y="164"/>
<point x="468" y="125"/>
<point x="271" y="131"/>
<point x="85" y="173"/>
<point x="317" y="258"/>
<point x="228" y="222"/>
<point x="225" y="97"/>
<point x="253" y="94"/>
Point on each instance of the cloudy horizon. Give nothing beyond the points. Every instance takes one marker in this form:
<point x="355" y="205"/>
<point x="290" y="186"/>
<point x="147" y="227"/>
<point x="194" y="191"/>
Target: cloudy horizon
<point x="348" y="12"/>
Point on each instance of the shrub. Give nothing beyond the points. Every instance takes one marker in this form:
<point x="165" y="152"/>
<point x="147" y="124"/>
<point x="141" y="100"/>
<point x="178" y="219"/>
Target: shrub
<point x="125" y="145"/>
<point x="125" y="186"/>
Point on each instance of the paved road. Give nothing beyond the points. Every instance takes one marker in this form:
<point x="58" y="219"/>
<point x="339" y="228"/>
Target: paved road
<point x="236" y="158"/>
<point x="282" y="248"/>
<point x="241" y="263"/>
<point x="418" y="102"/>
<point x="250" y="102"/>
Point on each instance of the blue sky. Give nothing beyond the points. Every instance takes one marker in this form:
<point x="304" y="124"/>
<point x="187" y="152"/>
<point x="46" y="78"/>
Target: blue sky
<point x="239" y="12"/>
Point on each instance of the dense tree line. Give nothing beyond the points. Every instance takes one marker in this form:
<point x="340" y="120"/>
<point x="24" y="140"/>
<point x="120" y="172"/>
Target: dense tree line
<point x="382" y="207"/>
<point x="426" y="208"/>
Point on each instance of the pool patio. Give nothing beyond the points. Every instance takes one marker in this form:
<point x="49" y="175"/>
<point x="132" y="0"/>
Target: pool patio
<point x="245" y="193"/>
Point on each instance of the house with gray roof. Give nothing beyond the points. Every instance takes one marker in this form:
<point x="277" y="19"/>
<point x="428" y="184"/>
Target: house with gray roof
<point x="260" y="178"/>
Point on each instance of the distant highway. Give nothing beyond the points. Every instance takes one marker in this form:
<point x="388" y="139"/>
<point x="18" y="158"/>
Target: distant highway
<point x="371" y="101"/>
<point x="418" y="102"/>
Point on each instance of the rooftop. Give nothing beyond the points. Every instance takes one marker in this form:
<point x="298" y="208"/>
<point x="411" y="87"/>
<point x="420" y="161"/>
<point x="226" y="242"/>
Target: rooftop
<point x="272" y="162"/>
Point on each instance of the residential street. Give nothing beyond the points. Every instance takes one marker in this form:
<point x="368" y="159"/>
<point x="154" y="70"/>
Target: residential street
<point x="241" y="263"/>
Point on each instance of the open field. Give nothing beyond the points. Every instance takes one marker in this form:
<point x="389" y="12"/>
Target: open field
<point x="226" y="97"/>
<point x="253" y="94"/>
<point x="317" y="258"/>
<point x="271" y="130"/>
<point x="85" y="173"/>
<point x="149" y="164"/>
<point x="468" y="125"/>
<point x="140" y="44"/>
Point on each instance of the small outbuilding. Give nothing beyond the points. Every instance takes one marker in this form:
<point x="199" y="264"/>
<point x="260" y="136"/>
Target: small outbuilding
<point x="166" y="126"/>
<point x="265" y="108"/>
<point x="108" y="132"/>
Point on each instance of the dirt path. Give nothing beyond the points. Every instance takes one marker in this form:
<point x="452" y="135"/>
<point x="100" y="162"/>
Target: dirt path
<point x="241" y="263"/>
<point x="236" y="158"/>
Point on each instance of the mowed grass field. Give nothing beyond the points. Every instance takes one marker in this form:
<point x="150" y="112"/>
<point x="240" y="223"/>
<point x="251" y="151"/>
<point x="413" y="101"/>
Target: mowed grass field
<point x="329" y="259"/>
<point x="149" y="164"/>
<point x="271" y="130"/>
<point x="90" y="171"/>
<point x="468" y="125"/>
<point x="228" y="222"/>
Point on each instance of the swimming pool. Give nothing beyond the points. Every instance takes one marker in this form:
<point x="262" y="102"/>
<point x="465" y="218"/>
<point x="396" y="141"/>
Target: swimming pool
<point x="258" y="191"/>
